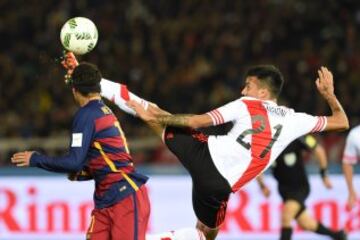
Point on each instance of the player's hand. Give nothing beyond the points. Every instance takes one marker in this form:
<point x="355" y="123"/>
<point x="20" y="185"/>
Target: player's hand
<point x="327" y="183"/>
<point x="352" y="199"/>
<point x="265" y="191"/>
<point x="72" y="176"/>
<point x="325" y="82"/>
<point x="141" y="112"/>
<point x="21" y="159"/>
<point x="69" y="63"/>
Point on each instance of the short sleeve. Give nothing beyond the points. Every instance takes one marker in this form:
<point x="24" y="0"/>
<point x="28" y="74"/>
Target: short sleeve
<point x="350" y="155"/>
<point x="304" y="123"/>
<point x="226" y="113"/>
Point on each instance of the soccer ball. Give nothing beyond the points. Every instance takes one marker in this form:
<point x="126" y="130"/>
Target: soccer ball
<point x="79" y="35"/>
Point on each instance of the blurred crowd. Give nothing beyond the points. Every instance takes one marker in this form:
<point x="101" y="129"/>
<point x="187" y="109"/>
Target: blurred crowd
<point x="186" y="55"/>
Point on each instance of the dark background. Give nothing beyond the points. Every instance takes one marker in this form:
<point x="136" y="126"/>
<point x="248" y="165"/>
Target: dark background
<point x="185" y="55"/>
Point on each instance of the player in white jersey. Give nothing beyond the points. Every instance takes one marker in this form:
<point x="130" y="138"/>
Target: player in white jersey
<point x="350" y="157"/>
<point x="220" y="165"/>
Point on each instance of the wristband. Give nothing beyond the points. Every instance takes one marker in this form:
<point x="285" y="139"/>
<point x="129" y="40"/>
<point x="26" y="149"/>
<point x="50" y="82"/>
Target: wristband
<point x="323" y="172"/>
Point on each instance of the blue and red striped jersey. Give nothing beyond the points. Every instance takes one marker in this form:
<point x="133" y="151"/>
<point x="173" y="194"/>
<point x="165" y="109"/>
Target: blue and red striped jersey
<point x="98" y="151"/>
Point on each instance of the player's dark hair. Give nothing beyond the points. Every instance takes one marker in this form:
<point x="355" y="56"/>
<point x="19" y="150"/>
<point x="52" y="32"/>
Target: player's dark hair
<point x="86" y="78"/>
<point x="268" y="75"/>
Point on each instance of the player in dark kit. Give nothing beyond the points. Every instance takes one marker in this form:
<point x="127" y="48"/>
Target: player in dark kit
<point x="294" y="187"/>
<point x="99" y="151"/>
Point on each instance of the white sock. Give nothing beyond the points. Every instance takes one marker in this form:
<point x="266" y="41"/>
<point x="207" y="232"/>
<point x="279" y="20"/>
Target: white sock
<point x="180" y="234"/>
<point x="119" y="94"/>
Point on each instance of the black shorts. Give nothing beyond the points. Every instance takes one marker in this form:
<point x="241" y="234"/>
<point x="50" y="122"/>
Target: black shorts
<point x="210" y="189"/>
<point x="298" y="194"/>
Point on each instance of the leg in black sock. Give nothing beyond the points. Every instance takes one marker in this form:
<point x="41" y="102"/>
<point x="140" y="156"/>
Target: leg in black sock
<point x="321" y="229"/>
<point x="286" y="233"/>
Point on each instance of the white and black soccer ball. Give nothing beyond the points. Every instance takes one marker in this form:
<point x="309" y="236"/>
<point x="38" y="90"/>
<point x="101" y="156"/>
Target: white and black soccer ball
<point x="79" y="35"/>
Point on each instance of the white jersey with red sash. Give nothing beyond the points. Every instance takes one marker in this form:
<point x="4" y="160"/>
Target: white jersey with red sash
<point x="261" y="131"/>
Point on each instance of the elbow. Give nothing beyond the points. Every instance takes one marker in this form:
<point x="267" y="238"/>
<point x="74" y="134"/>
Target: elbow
<point x="344" y="124"/>
<point x="343" y="127"/>
<point x="340" y="122"/>
<point x="347" y="125"/>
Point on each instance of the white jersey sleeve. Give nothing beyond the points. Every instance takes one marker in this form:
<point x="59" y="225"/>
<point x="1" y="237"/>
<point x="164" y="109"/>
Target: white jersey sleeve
<point x="351" y="151"/>
<point x="119" y="94"/>
<point x="303" y="123"/>
<point x="226" y="113"/>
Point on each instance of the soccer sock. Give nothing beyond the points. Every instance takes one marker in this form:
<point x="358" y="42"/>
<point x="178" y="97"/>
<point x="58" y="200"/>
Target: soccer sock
<point x="321" y="229"/>
<point x="180" y="234"/>
<point x="119" y="94"/>
<point x="286" y="233"/>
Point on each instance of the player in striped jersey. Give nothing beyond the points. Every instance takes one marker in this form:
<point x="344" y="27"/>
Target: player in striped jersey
<point x="220" y="165"/>
<point x="119" y="94"/>
<point x="99" y="151"/>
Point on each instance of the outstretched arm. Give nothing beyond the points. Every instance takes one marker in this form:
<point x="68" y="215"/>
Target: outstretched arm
<point x="325" y="85"/>
<point x="155" y="115"/>
<point x="186" y="120"/>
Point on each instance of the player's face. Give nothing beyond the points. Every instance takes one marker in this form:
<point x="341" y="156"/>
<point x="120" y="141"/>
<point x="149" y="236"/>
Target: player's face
<point x="252" y="88"/>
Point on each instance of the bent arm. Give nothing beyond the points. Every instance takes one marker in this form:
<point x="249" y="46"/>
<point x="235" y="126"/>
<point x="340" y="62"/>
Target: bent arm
<point x="338" y="120"/>
<point x="75" y="160"/>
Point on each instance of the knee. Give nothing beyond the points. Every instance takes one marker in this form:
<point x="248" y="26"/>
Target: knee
<point x="286" y="219"/>
<point x="308" y="225"/>
<point x="209" y="233"/>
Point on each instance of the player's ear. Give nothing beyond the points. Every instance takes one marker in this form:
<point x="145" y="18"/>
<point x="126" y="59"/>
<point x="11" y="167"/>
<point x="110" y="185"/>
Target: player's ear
<point x="74" y="92"/>
<point x="263" y="93"/>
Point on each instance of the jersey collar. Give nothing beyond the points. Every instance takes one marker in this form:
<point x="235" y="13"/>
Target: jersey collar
<point x="266" y="101"/>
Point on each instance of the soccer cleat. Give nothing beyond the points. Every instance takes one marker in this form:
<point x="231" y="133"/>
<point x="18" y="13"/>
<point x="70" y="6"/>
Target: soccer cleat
<point x="69" y="62"/>
<point x="341" y="235"/>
